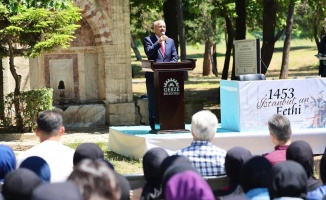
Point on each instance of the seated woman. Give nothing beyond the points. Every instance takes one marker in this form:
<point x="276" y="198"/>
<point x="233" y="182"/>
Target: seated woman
<point x="7" y="162"/>
<point x="96" y="180"/>
<point x="254" y="178"/>
<point x="183" y="182"/>
<point x="288" y="180"/>
<point x="234" y="160"/>
<point x="301" y="152"/>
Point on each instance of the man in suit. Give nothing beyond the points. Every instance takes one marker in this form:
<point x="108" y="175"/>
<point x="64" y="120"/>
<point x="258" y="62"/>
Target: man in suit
<point x="160" y="48"/>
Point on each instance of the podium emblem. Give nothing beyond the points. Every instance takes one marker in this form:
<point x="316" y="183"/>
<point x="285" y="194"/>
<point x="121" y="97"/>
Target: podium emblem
<point x="171" y="87"/>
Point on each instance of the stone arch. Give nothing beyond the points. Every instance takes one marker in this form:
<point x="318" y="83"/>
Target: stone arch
<point x="98" y="19"/>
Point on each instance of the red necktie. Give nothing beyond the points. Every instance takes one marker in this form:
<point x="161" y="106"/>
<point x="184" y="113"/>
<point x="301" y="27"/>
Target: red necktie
<point x="162" y="49"/>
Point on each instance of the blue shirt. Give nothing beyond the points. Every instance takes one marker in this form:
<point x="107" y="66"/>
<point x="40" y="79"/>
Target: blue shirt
<point x="207" y="158"/>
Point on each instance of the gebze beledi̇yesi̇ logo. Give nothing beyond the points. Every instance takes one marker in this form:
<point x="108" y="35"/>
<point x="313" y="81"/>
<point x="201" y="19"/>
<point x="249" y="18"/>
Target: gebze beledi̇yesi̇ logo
<point x="171" y="87"/>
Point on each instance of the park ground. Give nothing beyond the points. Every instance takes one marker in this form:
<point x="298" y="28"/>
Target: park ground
<point x="198" y="88"/>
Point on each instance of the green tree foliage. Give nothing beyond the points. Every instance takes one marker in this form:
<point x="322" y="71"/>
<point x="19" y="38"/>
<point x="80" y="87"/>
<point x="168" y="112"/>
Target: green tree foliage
<point x="142" y="16"/>
<point x="30" y="27"/>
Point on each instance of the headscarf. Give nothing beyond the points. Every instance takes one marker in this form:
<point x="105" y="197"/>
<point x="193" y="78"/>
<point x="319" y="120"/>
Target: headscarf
<point x="55" y="191"/>
<point x="87" y="150"/>
<point x="7" y="161"/>
<point x="254" y="173"/>
<point x="288" y="179"/>
<point x="125" y="186"/>
<point x="234" y="160"/>
<point x="39" y="166"/>
<point x="172" y="165"/>
<point x="322" y="167"/>
<point x="152" y="161"/>
<point x="301" y="152"/>
<point x="173" y="160"/>
<point x="188" y="185"/>
<point x="19" y="184"/>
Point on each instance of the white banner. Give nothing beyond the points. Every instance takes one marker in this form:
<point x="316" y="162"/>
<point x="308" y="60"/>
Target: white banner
<point x="301" y="100"/>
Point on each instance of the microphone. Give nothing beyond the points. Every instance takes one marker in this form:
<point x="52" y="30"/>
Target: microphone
<point x="163" y="33"/>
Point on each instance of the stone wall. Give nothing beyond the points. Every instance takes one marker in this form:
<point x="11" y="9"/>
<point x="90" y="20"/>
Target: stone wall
<point x="97" y="67"/>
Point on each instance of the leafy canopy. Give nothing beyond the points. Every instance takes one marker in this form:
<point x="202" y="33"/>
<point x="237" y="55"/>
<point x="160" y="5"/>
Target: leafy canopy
<point x="36" y="30"/>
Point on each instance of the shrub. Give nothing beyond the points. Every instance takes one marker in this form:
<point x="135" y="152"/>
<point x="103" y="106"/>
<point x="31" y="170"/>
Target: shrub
<point x="30" y="104"/>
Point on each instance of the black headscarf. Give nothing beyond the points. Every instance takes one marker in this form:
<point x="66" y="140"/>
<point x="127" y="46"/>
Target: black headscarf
<point x="301" y="152"/>
<point x="254" y="173"/>
<point x="56" y="191"/>
<point x="87" y="150"/>
<point x="234" y="160"/>
<point x="322" y="167"/>
<point x="19" y="184"/>
<point x="152" y="161"/>
<point x="288" y="179"/>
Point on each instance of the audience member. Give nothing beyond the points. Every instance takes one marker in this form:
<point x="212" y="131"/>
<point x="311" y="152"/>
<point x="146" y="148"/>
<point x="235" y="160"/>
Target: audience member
<point x="320" y="191"/>
<point x="39" y="166"/>
<point x="58" y="191"/>
<point x="59" y="157"/>
<point x="19" y="184"/>
<point x="301" y="152"/>
<point x="87" y="150"/>
<point x="234" y="160"/>
<point x="96" y="180"/>
<point x="280" y="132"/>
<point x="207" y="158"/>
<point x="171" y="161"/>
<point x="7" y="162"/>
<point x="288" y="179"/>
<point x="185" y="184"/>
<point x="124" y="184"/>
<point x="152" y="161"/>
<point x="254" y="178"/>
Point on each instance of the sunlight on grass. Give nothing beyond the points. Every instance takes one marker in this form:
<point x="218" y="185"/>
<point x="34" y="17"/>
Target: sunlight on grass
<point x="122" y="164"/>
<point x="301" y="58"/>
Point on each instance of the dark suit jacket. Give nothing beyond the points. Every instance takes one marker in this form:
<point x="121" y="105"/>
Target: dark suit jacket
<point x="153" y="50"/>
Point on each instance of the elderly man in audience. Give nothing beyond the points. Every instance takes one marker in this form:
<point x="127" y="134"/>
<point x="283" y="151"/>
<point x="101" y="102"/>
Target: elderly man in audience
<point x="207" y="158"/>
<point x="280" y="132"/>
<point x="59" y="157"/>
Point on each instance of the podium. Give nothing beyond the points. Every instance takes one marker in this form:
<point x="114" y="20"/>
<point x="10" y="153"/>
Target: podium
<point x="169" y="92"/>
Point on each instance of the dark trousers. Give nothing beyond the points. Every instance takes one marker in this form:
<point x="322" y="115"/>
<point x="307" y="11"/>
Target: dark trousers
<point x="322" y="68"/>
<point x="151" y="98"/>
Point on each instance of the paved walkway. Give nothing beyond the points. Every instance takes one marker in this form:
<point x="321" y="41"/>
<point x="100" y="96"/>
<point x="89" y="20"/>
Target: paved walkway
<point x="22" y="142"/>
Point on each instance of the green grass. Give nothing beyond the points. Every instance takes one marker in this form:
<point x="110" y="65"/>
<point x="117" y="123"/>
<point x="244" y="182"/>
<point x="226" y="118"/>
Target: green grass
<point x="301" y="59"/>
<point x="122" y="164"/>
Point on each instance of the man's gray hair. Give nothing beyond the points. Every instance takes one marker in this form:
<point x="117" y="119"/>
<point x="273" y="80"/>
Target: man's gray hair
<point x="204" y="125"/>
<point x="280" y="127"/>
<point x="157" y="21"/>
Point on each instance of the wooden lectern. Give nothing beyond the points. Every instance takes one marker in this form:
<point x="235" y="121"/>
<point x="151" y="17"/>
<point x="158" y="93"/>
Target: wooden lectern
<point x="169" y="92"/>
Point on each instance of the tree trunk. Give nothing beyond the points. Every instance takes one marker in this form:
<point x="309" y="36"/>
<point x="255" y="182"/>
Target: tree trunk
<point x="207" y="70"/>
<point x="287" y="41"/>
<point x="17" y="77"/>
<point x="2" y="102"/>
<point x="182" y="35"/>
<point x="170" y="18"/>
<point x="214" y="61"/>
<point x="269" y="23"/>
<point x="240" y="28"/>
<point x="135" y="49"/>
<point x="229" y="45"/>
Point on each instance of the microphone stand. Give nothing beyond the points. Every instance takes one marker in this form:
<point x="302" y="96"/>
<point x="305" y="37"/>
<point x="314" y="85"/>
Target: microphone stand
<point x="267" y="69"/>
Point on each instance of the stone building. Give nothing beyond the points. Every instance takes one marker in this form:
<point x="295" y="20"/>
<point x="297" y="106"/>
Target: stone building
<point x="92" y="79"/>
